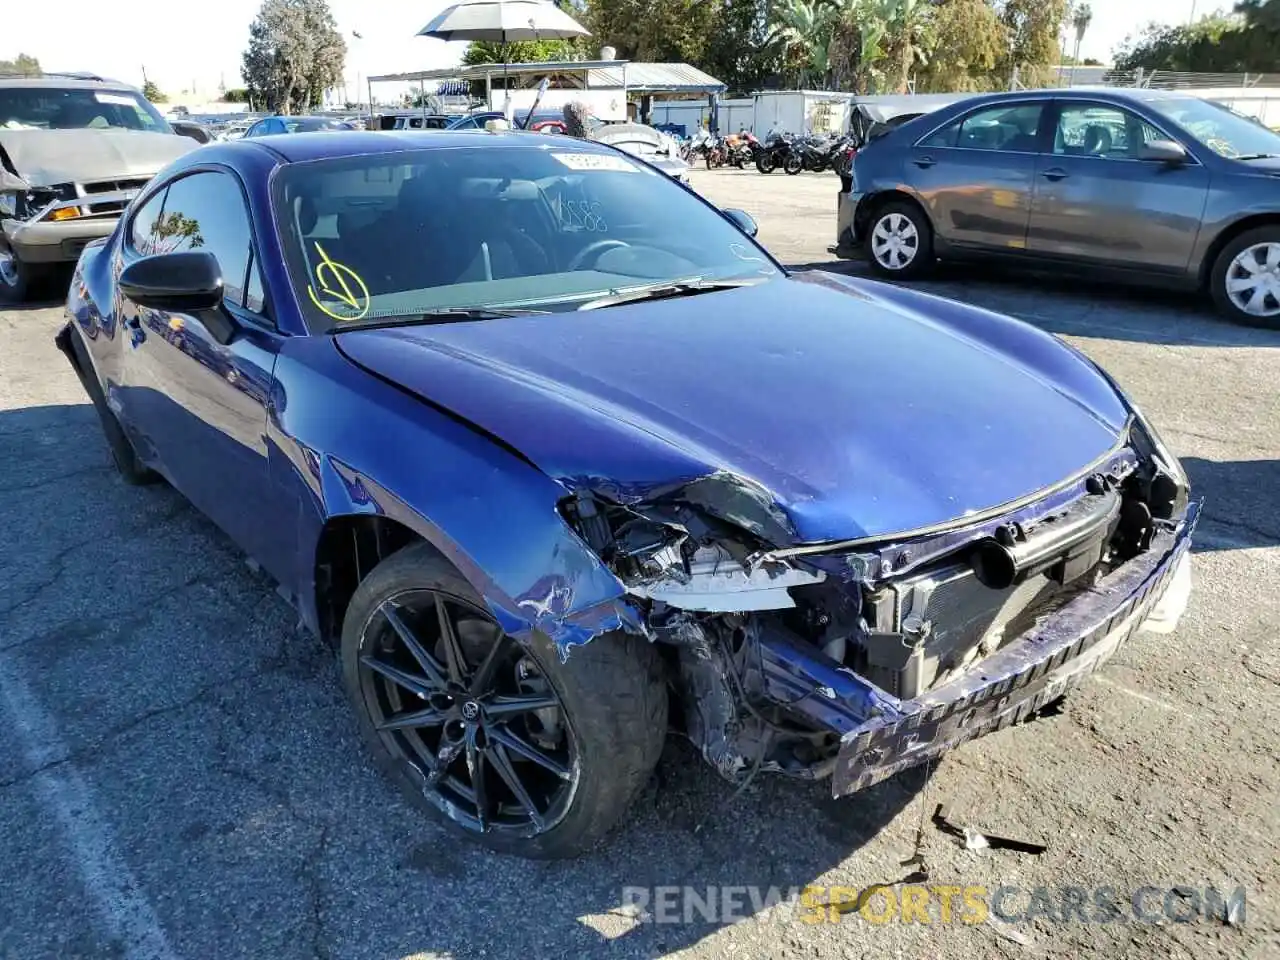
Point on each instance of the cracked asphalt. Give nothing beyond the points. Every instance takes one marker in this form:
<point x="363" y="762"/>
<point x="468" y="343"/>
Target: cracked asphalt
<point x="180" y="777"/>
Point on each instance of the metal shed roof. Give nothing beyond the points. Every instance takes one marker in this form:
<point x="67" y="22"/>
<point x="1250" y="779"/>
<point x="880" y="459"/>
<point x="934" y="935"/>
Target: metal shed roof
<point x="655" y="78"/>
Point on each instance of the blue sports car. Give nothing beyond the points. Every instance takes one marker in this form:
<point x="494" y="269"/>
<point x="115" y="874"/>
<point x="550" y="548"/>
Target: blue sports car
<point x="560" y="458"/>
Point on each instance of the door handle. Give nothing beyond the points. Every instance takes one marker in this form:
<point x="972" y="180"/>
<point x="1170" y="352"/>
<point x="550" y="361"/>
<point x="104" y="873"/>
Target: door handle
<point x="924" y="162"/>
<point x="1054" y="173"/>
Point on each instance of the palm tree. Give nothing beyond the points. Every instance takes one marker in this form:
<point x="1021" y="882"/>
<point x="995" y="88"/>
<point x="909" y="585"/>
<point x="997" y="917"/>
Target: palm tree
<point x="909" y="23"/>
<point x="803" y="29"/>
<point x="1080" y="20"/>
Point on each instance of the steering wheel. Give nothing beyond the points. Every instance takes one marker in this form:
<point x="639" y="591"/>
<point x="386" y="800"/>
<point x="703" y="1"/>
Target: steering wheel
<point x="593" y="251"/>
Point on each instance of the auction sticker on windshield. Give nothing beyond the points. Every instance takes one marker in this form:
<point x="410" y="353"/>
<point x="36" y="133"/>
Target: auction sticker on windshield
<point x="596" y="161"/>
<point x="119" y="99"/>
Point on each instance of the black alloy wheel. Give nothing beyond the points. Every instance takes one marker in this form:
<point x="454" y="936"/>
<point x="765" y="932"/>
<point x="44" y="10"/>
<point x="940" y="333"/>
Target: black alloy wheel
<point x="509" y="742"/>
<point x="470" y="712"/>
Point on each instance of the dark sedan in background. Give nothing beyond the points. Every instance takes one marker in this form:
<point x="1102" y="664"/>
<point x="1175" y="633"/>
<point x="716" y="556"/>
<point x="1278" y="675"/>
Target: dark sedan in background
<point x="1144" y="184"/>
<point x="272" y="126"/>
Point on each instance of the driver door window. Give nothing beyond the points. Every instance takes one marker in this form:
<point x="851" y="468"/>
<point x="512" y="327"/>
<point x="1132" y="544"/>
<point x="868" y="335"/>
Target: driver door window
<point x="1096" y="130"/>
<point x="206" y="211"/>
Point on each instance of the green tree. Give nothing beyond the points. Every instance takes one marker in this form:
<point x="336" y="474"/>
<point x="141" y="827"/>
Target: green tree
<point x="21" y="65"/>
<point x="658" y="31"/>
<point x="737" y="51"/>
<point x="153" y="92"/>
<point x="803" y="33"/>
<point x="1214" y="44"/>
<point x="910" y="36"/>
<point x="522" y="51"/>
<point x="1033" y="29"/>
<point x="969" y="40"/>
<point x="295" y="54"/>
<point x="236" y="95"/>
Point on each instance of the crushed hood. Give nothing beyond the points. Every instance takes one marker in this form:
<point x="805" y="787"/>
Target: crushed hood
<point x="858" y="416"/>
<point x="47" y="157"/>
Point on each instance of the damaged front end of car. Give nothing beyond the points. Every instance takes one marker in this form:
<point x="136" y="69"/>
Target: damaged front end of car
<point x="858" y="659"/>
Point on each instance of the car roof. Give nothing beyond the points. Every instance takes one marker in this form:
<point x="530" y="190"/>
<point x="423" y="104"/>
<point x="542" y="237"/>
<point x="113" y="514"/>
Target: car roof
<point x="301" y="147"/>
<point x="1112" y="94"/>
<point x="65" y="81"/>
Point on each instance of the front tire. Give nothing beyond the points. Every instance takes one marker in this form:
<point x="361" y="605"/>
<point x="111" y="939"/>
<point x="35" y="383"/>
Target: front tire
<point x="899" y="241"/>
<point x="793" y="164"/>
<point x="17" y="277"/>
<point x="1245" y="280"/>
<point x="510" y="746"/>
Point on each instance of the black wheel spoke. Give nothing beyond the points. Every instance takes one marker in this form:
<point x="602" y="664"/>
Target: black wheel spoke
<point x="484" y="676"/>
<point x="449" y="751"/>
<point x="502" y="764"/>
<point x="528" y="751"/>
<point x="419" y="686"/>
<point x="449" y="640"/>
<point x="510" y="706"/>
<point x="475" y="767"/>
<point x="425" y="660"/>
<point x="429" y="717"/>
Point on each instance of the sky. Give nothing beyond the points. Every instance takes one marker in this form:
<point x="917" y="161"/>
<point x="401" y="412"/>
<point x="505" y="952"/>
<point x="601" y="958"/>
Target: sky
<point x="201" y="45"/>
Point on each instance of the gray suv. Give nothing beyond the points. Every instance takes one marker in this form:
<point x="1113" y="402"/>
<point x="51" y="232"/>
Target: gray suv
<point x="1144" y="184"/>
<point x="74" y="150"/>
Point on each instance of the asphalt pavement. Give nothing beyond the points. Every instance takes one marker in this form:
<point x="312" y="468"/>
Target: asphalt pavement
<point x="180" y="776"/>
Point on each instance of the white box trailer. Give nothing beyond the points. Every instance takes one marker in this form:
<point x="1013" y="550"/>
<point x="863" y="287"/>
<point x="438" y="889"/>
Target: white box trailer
<point x="801" y="111"/>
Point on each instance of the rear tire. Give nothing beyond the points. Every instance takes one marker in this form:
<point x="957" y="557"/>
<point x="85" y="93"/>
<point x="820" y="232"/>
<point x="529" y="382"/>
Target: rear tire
<point x="792" y="165"/>
<point x="611" y="709"/>
<point x="131" y="469"/>
<point x="899" y="241"/>
<point x="764" y="163"/>
<point x="1245" y="279"/>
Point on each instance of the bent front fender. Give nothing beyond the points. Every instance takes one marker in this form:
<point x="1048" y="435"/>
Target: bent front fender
<point x="487" y="510"/>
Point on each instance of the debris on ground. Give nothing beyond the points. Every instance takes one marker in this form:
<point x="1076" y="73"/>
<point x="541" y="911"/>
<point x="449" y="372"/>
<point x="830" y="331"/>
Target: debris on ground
<point x="973" y="839"/>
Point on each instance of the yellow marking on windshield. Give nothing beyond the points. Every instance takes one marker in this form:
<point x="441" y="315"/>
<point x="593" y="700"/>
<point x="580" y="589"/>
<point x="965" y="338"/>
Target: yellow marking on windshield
<point x="339" y="286"/>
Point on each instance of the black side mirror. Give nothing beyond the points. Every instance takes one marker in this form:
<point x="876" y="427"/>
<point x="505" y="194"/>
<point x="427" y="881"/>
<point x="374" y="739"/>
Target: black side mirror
<point x="189" y="282"/>
<point x="1164" y="151"/>
<point x="742" y="220"/>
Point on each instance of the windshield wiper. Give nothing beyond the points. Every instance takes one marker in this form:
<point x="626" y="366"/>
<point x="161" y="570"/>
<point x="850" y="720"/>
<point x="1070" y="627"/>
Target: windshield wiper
<point x="445" y="315"/>
<point x="666" y="290"/>
<point x="1257" y="156"/>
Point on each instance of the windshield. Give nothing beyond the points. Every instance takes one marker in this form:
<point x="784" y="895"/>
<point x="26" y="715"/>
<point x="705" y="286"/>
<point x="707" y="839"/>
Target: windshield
<point x="548" y="227"/>
<point x="1218" y="128"/>
<point x="50" y="108"/>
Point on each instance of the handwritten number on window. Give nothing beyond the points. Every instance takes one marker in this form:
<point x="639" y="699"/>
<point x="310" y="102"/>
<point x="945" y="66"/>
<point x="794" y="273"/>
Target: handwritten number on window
<point x="584" y="215"/>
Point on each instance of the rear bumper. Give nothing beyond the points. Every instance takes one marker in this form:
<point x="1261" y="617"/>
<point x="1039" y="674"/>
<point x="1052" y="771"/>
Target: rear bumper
<point x="1149" y="592"/>
<point x="848" y="245"/>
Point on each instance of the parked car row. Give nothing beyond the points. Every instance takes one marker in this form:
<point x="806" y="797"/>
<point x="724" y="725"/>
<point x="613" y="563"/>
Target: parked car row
<point x="1151" y="185"/>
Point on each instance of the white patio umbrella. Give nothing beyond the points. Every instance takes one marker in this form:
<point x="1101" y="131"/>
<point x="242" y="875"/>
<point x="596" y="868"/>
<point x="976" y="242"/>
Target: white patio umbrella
<point x="504" y="22"/>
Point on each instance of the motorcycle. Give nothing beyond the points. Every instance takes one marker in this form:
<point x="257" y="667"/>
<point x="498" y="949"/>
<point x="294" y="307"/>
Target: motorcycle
<point x="822" y="153"/>
<point x="717" y="153"/>
<point x="742" y="148"/>
<point x="778" y="150"/>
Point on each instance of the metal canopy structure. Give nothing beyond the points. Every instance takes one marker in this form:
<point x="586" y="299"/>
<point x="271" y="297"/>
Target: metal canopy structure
<point x="645" y="80"/>
<point x="640" y="78"/>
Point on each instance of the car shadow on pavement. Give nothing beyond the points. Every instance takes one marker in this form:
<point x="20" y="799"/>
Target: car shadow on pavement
<point x="221" y="754"/>
<point x="1080" y="307"/>
<point x="1241" y="502"/>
